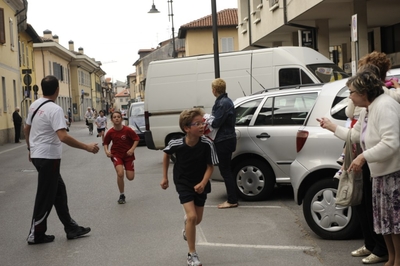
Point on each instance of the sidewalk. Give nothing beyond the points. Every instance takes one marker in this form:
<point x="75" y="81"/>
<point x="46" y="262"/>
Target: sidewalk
<point x="13" y="146"/>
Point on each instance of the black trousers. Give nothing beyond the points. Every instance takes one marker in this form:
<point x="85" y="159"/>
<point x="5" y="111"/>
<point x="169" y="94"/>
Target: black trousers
<point x="51" y="191"/>
<point x="17" y="128"/>
<point x="373" y="242"/>
<point x="225" y="149"/>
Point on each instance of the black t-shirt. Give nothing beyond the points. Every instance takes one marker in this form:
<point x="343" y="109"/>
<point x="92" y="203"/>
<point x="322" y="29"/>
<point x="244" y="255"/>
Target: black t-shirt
<point x="191" y="162"/>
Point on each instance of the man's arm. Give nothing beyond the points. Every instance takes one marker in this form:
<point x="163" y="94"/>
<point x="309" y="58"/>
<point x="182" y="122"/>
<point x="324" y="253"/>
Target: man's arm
<point x="70" y="141"/>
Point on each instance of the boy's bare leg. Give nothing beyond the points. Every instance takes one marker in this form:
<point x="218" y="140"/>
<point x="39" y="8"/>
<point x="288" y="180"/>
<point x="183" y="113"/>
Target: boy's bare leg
<point x="120" y="178"/>
<point x="130" y="175"/>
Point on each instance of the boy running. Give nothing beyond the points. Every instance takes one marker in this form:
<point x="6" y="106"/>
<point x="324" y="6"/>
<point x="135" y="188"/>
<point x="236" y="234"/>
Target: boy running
<point x="124" y="142"/>
<point x="195" y="157"/>
<point x="101" y="123"/>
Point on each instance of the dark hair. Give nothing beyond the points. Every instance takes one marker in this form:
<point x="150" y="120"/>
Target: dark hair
<point x="49" y="85"/>
<point x="116" y="112"/>
<point x="367" y="82"/>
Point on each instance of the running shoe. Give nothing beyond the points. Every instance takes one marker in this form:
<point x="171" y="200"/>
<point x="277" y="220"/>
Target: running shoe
<point x="122" y="199"/>
<point x="193" y="259"/>
<point x="78" y="232"/>
<point x="41" y="240"/>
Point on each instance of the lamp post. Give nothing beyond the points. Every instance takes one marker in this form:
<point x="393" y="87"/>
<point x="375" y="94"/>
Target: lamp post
<point x="215" y="37"/>
<point x="171" y="18"/>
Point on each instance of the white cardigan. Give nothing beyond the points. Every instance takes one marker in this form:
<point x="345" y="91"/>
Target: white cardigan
<point x="382" y="138"/>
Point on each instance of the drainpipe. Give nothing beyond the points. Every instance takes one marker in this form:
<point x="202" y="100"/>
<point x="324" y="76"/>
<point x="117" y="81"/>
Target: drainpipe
<point x="69" y="87"/>
<point x="249" y="22"/>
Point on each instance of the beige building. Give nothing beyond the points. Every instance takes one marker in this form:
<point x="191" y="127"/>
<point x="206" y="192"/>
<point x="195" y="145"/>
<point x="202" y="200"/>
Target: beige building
<point x="198" y="34"/>
<point x="79" y="75"/>
<point x="12" y="22"/>
<point x="325" y="25"/>
<point x="122" y="100"/>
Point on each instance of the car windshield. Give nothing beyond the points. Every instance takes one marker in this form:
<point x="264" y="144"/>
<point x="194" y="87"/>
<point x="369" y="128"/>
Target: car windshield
<point x="328" y="72"/>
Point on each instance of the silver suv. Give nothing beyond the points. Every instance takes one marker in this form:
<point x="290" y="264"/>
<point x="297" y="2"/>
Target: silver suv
<point x="266" y="127"/>
<point x="315" y="165"/>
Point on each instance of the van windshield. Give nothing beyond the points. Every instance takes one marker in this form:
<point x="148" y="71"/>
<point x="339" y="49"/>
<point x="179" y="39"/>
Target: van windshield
<point x="328" y="72"/>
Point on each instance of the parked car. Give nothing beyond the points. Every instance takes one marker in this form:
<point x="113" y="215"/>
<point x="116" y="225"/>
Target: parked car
<point x="315" y="165"/>
<point x="135" y="118"/>
<point x="266" y="127"/>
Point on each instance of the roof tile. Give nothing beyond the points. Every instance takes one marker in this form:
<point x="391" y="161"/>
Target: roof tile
<point x="226" y="17"/>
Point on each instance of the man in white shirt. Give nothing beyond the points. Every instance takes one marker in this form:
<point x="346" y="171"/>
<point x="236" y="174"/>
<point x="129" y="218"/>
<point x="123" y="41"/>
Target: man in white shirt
<point x="89" y="119"/>
<point x="45" y="132"/>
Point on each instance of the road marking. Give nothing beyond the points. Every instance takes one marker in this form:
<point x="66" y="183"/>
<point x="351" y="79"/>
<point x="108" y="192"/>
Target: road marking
<point x="12" y="149"/>
<point x="202" y="241"/>
<point x="255" y="246"/>
<point x="248" y="207"/>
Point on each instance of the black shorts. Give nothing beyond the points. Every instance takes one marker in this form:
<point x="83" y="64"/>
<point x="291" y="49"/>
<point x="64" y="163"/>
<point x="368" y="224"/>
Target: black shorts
<point x="100" y="129"/>
<point x="188" y="196"/>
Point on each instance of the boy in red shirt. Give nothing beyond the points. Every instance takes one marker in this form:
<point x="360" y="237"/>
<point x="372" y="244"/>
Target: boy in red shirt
<point x="124" y="142"/>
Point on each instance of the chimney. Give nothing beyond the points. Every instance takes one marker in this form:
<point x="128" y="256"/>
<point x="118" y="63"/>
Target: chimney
<point x="80" y="50"/>
<point x="71" y="46"/>
<point x="55" y="38"/>
<point x="47" y="34"/>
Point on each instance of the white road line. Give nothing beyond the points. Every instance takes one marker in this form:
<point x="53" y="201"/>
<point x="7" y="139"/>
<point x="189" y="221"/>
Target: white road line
<point x="12" y="149"/>
<point x="255" y="246"/>
<point x="202" y="241"/>
<point x="248" y="207"/>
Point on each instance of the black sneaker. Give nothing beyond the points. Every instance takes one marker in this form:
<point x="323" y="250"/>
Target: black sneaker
<point x="78" y="232"/>
<point x="43" y="239"/>
<point x="121" y="199"/>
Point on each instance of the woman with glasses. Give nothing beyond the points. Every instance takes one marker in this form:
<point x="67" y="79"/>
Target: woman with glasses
<point x="378" y="132"/>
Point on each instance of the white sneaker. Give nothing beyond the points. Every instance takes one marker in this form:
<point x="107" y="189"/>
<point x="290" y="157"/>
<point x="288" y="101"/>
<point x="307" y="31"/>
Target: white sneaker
<point x="338" y="174"/>
<point x="193" y="259"/>
<point x="340" y="160"/>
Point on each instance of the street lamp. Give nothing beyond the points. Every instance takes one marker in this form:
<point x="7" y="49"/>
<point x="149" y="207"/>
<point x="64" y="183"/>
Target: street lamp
<point x="171" y="18"/>
<point x="153" y="9"/>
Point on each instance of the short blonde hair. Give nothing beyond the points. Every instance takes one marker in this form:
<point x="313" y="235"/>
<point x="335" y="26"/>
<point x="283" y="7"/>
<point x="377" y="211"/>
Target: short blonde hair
<point x="219" y="85"/>
<point x="187" y="116"/>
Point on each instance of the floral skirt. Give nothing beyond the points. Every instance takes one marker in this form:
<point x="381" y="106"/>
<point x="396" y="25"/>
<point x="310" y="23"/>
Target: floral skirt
<point x="386" y="203"/>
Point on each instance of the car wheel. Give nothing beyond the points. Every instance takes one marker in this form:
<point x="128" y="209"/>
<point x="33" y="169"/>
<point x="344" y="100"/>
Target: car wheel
<point x="323" y="216"/>
<point x="254" y="180"/>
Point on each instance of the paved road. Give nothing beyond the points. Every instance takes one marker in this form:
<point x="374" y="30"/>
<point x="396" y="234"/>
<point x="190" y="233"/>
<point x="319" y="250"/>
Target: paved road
<point x="147" y="229"/>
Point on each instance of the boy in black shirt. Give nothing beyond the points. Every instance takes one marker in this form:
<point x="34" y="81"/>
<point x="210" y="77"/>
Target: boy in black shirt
<point x="195" y="160"/>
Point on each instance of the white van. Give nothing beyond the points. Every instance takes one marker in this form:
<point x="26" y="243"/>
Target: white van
<point x="182" y="83"/>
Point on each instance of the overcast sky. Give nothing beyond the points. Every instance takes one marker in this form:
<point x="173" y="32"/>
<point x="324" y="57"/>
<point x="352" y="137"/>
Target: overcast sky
<point x="114" y="31"/>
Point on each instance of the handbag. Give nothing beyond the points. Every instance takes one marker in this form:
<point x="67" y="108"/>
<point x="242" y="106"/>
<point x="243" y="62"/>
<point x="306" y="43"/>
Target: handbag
<point x="349" y="192"/>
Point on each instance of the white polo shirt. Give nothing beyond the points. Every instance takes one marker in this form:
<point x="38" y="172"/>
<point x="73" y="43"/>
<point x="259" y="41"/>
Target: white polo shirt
<point x="43" y="140"/>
